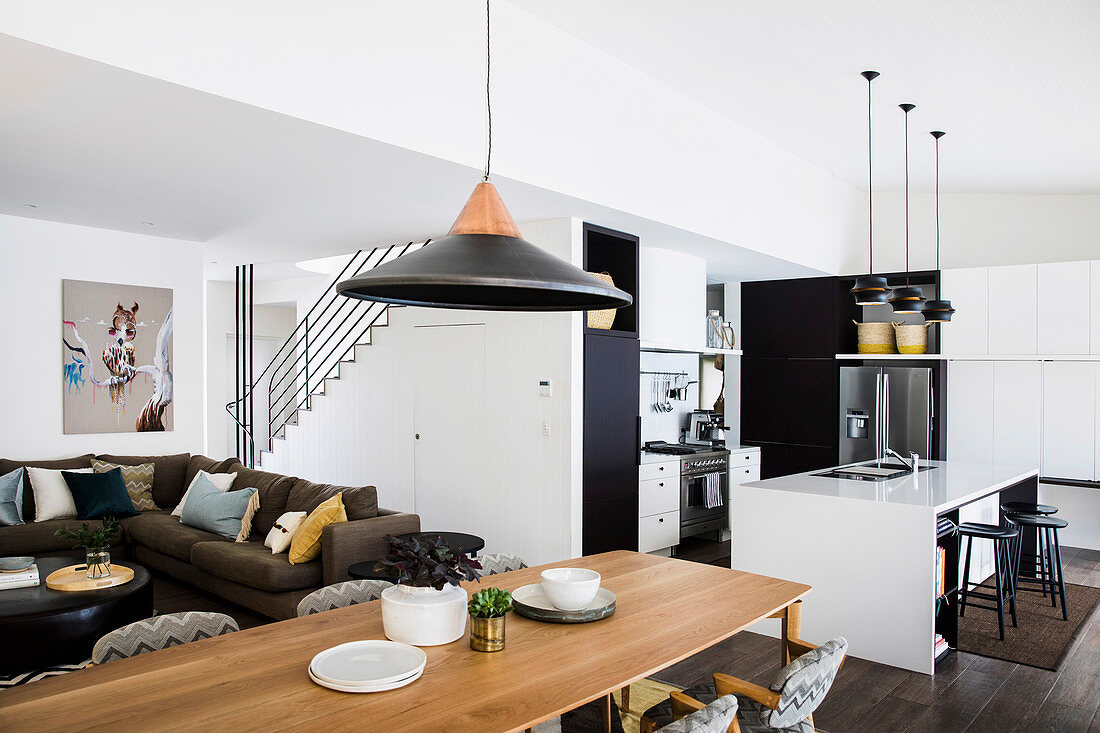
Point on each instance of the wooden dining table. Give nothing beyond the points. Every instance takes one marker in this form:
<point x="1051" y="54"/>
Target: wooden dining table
<point x="667" y="610"/>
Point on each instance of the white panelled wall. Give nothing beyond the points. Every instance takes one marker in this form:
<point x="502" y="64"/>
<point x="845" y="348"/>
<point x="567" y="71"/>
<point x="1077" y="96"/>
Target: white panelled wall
<point x="494" y="457"/>
<point x="1035" y="400"/>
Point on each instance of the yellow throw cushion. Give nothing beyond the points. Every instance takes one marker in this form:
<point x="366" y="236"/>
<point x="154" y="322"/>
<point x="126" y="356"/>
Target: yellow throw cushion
<point x="306" y="544"/>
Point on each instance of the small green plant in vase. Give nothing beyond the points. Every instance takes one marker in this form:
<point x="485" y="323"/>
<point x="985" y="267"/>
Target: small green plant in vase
<point x="95" y="541"/>
<point x="487" y="608"/>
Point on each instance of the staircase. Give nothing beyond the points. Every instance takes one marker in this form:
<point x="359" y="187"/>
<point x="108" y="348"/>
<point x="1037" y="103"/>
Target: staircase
<point x="311" y="356"/>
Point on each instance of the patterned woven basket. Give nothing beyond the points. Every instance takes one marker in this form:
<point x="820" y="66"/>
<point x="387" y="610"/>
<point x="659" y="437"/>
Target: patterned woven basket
<point x="875" y="338"/>
<point x="602" y="319"/>
<point x="912" y="338"/>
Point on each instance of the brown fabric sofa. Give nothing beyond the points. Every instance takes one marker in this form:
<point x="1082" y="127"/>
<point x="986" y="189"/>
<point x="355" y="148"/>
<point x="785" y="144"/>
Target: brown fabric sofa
<point x="245" y="573"/>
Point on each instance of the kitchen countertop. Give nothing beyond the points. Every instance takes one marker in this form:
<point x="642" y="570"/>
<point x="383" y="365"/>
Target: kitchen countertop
<point x="949" y="485"/>
<point x="648" y="458"/>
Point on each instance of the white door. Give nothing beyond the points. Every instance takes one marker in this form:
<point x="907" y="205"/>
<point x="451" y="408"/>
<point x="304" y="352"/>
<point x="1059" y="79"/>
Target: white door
<point x="968" y="291"/>
<point x="451" y="436"/>
<point x="263" y="351"/>
<point x="970" y="411"/>
<point x="1012" y="330"/>
<point x="1069" y="419"/>
<point x="1017" y="412"/>
<point x="1064" y="308"/>
<point x="1094" y="307"/>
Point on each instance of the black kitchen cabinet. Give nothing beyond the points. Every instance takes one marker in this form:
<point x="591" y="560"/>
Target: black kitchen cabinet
<point x="811" y="401"/>
<point x="612" y="361"/>
<point x="764" y="318"/>
<point x="763" y="417"/>
<point x="811" y="318"/>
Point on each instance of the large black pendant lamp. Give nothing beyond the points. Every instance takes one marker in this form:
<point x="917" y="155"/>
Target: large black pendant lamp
<point x="869" y="290"/>
<point x="483" y="263"/>
<point x="937" y="311"/>
<point x="907" y="299"/>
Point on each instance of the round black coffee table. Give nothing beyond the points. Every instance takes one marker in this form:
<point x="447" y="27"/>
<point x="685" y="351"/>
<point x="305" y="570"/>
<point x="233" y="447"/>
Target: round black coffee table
<point x="467" y="544"/>
<point x="42" y="626"/>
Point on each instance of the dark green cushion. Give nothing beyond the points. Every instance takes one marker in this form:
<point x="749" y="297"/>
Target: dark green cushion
<point x="99" y="495"/>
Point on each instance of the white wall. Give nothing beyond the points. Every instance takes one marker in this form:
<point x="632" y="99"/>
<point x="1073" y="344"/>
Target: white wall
<point x="34" y="258"/>
<point x="981" y="230"/>
<point x="667" y="426"/>
<point x="567" y="116"/>
<point x="361" y="431"/>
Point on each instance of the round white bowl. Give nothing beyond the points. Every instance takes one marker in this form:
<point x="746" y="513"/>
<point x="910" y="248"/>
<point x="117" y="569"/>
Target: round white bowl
<point x="570" y="589"/>
<point x="15" y="564"/>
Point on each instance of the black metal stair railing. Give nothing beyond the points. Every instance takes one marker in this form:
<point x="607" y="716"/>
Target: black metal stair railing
<point x="324" y="338"/>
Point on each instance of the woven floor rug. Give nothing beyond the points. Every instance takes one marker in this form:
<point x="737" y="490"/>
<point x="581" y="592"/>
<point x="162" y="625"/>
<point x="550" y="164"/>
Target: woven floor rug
<point x="1042" y="638"/>
<point x="40" y="674"/>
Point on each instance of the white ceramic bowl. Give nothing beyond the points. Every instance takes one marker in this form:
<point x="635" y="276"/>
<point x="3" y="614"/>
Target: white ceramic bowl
<point x="15" y="564"/>
<point x="570" y="589"/>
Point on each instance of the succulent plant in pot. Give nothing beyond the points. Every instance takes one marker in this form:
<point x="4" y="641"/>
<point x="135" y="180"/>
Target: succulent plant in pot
<point x="487" y="608"/>
<point x="426" y="607"/>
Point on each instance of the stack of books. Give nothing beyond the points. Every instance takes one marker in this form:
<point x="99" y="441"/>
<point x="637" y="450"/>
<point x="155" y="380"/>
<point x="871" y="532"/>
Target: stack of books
<point x="23" y="579"/>
<point x="945" y="526"/>
<point x="939" y="646"/>
<point x="941" y="562"/>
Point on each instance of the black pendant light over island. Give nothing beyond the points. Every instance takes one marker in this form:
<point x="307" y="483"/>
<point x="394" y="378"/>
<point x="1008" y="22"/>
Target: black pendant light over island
<point x="907" y="299"/>
<point x="937" y="311"/>
<point x="484" y="264"/>
<point x="868" y="289"/>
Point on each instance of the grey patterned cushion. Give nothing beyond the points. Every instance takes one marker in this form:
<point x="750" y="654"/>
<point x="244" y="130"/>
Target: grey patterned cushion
<point x="803" y="683"/>
<point x="714" y="718"/>
<point x="752" y="717"/>
<point x="500" y="562"/>
<point x="343" y="594"/>
<point x="160" y="632"/>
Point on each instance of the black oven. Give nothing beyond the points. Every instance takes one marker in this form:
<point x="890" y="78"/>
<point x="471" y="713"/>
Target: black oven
<point x="704" y="493"/>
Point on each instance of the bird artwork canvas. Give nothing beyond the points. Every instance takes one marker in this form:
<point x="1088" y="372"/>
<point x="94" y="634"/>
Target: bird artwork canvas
<point x="116" y="357"/>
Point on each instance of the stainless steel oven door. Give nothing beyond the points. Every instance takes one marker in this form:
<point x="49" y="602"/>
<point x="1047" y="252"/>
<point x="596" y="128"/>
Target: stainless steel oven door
<point x="697" y="504"/>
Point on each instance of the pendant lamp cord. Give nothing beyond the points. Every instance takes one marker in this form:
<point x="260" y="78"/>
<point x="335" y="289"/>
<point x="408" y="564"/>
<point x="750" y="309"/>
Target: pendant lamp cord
<point x="937" y="201"/>
<point x="906" y="198"/>
<point x="488" y="99"/>
<point x="870" y="195"/>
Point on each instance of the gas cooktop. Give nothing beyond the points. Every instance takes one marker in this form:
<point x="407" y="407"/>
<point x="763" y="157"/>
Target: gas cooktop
<point x="676" y="449"/>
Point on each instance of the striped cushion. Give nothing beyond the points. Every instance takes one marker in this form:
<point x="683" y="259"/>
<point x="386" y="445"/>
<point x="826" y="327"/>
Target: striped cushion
<point x="499" y="563"/>
<point x="161" y="632"/>
<point x="138" y="480"/>
<point x="803" y="684"/>
<point x="343" y="594"/>
<point x="714" y="718"/>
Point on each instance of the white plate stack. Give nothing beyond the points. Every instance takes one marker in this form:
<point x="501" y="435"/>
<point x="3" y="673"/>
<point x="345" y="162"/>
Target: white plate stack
<point x="368" y="666"/>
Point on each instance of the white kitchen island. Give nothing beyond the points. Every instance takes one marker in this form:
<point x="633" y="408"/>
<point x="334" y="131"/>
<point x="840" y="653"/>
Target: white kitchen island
<point x="868" y="548"/>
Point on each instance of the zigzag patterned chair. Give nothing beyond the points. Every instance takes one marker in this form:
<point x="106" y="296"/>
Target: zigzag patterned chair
<point x="786" y="706"/>
<point x="500" y="562"/>
<point x="160" y="632"/>
<point x="343" y="594"/>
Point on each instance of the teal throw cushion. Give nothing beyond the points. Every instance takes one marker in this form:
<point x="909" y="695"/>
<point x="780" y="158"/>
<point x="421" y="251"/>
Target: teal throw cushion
<point x="11" y="498"/>
<point x="209" y="509"/>
<point x="99" y="495"/>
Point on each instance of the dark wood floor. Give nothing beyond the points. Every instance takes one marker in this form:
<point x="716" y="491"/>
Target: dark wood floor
<point x="969" y="693"/>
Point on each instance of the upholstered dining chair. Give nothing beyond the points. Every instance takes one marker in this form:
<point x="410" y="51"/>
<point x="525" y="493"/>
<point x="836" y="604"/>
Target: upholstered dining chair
<point x="500" y="562"/>
<point x="787" y="705"/>
<point x="160" y="632"/>
<point x="338" y="595"/>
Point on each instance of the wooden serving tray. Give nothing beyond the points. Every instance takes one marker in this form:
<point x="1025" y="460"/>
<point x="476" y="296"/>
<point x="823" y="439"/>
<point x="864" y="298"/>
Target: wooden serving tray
<point x="75" y="578"/>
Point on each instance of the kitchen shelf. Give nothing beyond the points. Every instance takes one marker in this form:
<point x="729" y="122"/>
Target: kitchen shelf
<point x="969" y="357"/>
<point x="672" y="349"/>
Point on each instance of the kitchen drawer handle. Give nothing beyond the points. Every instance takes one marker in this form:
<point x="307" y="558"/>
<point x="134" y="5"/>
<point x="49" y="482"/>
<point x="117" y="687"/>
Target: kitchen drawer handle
<point x="660" y="468"/>
<point x="661" y="484"/>
<point x="661" y="519"/>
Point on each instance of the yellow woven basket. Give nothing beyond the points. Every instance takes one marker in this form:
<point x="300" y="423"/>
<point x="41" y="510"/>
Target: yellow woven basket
<point x="912" y="338"/>
<point x="602" y="319"/>
<point x="875" y="338"/>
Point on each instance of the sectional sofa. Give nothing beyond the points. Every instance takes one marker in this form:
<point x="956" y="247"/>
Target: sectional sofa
<point x="246" y="573"/>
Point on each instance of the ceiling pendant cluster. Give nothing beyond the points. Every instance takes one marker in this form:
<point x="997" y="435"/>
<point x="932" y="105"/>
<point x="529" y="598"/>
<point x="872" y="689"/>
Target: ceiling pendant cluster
<point x="483" y="263"/>
<point x="873" y="290"/>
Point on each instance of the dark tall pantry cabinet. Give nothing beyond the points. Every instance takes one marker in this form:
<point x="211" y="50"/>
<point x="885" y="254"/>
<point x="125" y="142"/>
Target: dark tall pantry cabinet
<point x="611" y="413"/>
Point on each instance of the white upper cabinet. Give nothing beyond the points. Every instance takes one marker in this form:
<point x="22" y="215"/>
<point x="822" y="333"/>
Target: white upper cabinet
<point x="672" y="296"/>
<point x="1094" y="308"/>
<point x="1064" y="306"/>
<point x="968" y="291"/>
<point x="1017" y="412"/>
<point x="1069" y="420"/>
<point x="1013" y="330"/>
<point x="969" y="407"/>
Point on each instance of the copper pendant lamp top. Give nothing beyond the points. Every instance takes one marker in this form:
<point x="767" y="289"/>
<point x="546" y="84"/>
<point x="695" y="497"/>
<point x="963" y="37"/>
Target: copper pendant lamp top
<point x="485" y="213"/>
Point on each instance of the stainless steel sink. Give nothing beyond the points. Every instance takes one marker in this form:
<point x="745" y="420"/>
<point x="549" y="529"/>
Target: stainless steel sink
<point x="877" y="471"/>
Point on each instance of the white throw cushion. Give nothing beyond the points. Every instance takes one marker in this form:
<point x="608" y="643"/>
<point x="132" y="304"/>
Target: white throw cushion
<point x="222" y="482"/>
<point x="282" y="531"/>
<point x="52" y="497"/>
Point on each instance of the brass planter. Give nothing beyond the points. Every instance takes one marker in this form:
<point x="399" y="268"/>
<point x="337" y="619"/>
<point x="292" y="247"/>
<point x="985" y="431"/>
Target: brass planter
<point x="487" y="634"/>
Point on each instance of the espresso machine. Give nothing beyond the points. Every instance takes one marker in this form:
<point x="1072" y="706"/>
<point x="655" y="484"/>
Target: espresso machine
<point x="705" y="427"/>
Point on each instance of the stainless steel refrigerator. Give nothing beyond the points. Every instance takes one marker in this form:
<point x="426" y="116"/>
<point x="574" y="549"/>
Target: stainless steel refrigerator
<point x="885" y="407"/>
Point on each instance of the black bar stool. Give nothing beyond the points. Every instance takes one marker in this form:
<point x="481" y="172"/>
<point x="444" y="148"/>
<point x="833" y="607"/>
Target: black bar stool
<point x="1002" y="551"/>
<point x="1025" y="507"/>
<point x="1048" y="557"/>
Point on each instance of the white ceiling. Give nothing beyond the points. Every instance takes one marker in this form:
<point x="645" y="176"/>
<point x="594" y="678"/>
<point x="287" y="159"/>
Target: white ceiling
<point x="1015" y="83"/>
<point x="92" y="144"/>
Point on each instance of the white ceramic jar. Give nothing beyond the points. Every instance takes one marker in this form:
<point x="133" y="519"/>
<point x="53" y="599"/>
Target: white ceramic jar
<point x="424" y="616"/>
